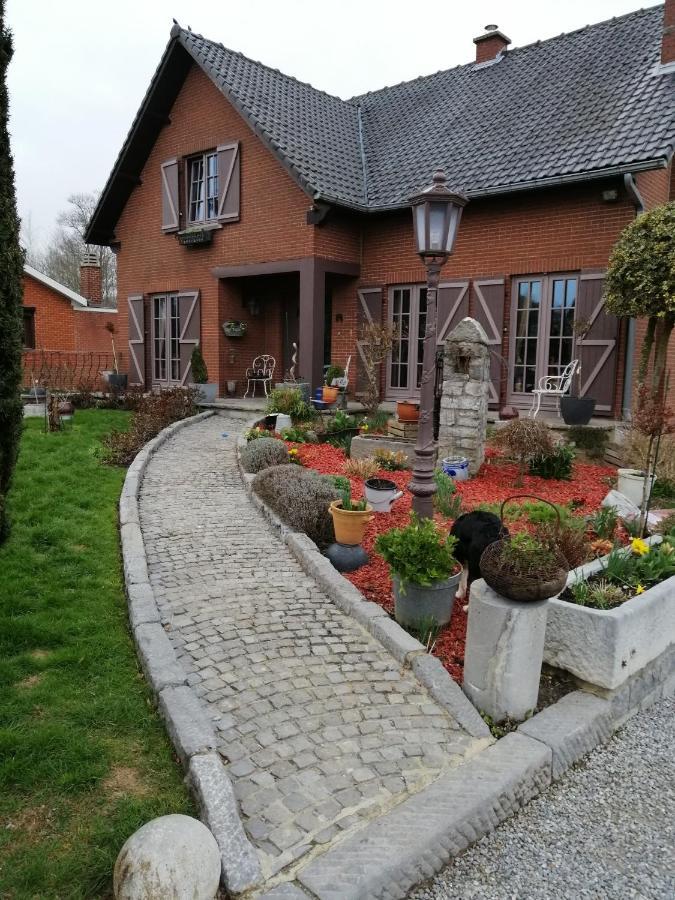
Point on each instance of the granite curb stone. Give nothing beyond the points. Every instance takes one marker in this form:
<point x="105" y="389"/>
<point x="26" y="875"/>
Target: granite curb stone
<point x="418" y="837"/>
<point x="449" y="695"/>
<point x="189" y="728"/>
<point x="577" y="723"/>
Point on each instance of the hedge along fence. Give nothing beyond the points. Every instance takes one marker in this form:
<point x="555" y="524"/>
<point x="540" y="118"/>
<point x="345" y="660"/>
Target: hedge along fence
<point x="74" y="370"/>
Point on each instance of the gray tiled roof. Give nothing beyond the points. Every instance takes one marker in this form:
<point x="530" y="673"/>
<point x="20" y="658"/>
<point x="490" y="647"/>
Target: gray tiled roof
<point x="585" y="102"/>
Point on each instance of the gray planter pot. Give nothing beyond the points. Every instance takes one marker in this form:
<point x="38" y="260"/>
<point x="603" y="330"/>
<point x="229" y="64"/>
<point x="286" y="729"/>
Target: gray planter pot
<point x="420" y="603"/>
<point x="117" y="381"/>
<point x="207" y="392"/>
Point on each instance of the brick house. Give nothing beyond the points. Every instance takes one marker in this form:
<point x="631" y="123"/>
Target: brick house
<point x="243" y="194"/>
<point x="64" y="329"/>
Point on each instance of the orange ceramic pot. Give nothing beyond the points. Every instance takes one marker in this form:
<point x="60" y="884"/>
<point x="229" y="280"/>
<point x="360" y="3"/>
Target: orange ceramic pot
<point x="349" y="525"/>
<point x="330" y="394"/>
<point x="408" y="411"/>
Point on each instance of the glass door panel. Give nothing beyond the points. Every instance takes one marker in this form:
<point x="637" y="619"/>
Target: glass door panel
<point x="400" y="351"/>
<point x="421" y="329"/>
<point x="165" y="340"/>
<point x="561" y="331"/>
<point x="528" y="310"/>
<point x="408" y="318"/>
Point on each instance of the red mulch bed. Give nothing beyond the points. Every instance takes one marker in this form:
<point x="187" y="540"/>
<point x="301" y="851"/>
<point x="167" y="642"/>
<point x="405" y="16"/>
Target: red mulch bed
<point x="494" y="483"/>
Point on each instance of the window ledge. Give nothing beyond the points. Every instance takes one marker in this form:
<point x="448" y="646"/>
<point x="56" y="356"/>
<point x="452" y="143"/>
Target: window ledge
<point x="206" y="226"/>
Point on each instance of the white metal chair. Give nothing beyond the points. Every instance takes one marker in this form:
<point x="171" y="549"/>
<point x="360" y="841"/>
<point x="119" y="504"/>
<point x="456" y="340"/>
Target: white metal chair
<point x="260" y="372"/>
<point x="553" y="386"/>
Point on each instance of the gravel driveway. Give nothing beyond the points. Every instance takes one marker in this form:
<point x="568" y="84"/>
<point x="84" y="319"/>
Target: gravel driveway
<point x="606" y="830"/>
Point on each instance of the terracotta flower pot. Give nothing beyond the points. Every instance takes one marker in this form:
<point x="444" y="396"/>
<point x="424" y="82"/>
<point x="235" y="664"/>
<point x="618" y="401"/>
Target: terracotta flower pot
<point x="408" y="411"/>
<point x="330" y="394"/>
<point x="349" y="525"/>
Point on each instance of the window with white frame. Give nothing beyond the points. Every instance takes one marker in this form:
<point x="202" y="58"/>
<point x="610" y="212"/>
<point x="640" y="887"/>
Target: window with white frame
<point x="203" y="188"/>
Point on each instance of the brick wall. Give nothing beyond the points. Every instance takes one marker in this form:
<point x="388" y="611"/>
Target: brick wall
<point x="272" y="226"/>
<point x="58" y="326"/>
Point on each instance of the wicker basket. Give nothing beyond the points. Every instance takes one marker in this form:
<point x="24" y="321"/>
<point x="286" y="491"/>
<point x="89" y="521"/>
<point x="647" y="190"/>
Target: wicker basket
<point x="531" y="586"/>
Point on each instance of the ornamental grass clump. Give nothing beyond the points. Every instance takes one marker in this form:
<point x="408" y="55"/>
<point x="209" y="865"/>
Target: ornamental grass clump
<point x="262" y="453"/>
<point x="524" y="440"/>
<point x="300" y="497"/>
<point x="421" y="553"/>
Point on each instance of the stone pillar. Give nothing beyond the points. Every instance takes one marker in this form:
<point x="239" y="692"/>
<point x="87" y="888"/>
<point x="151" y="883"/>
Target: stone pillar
<point x="504" y="653"/>
<point x="464" y="403"/>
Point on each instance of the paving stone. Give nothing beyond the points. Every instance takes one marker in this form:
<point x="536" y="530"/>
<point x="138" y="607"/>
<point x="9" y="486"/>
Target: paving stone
<point x="306" y="702"/>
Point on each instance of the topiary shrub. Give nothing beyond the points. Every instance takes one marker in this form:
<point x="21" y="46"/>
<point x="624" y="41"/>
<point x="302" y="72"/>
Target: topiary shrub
<point x="300" y="497"/>
<point x="263" y="453"/>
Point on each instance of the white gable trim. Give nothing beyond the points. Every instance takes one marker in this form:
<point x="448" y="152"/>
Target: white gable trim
<point x="76" y="299"/>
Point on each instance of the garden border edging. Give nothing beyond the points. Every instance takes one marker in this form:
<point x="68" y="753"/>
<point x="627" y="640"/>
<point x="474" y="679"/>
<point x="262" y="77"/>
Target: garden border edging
<point x="406" y="649"/>
<point x="187" y="723"/>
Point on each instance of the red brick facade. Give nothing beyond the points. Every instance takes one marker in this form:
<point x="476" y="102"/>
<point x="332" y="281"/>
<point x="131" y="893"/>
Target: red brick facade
<point x="562" y="230"/>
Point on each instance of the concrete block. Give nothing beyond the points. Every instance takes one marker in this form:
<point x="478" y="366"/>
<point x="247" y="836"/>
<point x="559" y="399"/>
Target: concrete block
<point x="135" y="569"/>
<point x="141" y="604"/>
<point x="571" y="727"/>
<point x="448" y="694"/>
<point x="417" y="838"/>
<point x="503" y="656"/>
<point x="189" y="728"/>
<point x="157" y="657"/>
<point x="212" y="788"/>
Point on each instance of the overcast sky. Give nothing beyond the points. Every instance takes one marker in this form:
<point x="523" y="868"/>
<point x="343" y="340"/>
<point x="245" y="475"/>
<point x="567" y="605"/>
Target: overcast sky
<point x="81" y="67"/>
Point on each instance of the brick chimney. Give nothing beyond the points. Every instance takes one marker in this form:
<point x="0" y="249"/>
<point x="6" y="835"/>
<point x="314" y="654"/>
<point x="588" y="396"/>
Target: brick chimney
<point x="90" y="279"/>
<point x="490" y="44"/>
<point x="668" y="39"/>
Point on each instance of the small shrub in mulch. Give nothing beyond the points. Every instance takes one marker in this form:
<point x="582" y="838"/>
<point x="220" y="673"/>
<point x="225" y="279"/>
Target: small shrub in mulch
<point x="154" y="412"/>
<point x="300" y="498"/>
<point x="262" y="453"/>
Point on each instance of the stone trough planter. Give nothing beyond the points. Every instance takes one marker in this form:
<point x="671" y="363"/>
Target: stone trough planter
<point x="606" y="647"/>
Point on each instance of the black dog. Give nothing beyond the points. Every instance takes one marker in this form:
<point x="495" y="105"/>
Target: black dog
<point x="474" y="532"/>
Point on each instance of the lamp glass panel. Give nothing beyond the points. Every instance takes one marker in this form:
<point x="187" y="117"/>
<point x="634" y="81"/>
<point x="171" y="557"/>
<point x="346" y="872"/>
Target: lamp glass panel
<point x="437" y="227"/>
<point x="420" y="232"/>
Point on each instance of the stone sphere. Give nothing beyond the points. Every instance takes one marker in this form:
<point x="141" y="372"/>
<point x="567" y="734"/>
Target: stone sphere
<point x="170" y="858"/>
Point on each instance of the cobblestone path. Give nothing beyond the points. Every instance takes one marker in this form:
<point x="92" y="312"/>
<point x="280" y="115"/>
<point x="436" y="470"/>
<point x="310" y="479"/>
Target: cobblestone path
<point x="321" y="727"/>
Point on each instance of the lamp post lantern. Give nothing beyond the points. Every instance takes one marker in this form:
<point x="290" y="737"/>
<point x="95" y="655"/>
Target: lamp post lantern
<point x="436" y="214"/>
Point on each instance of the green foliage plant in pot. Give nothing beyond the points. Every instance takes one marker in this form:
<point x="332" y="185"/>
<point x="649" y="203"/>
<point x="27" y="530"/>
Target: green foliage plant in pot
<point x="424" y="571"/>
<point x="206" y="390"/>
<point x="350" y="518"/>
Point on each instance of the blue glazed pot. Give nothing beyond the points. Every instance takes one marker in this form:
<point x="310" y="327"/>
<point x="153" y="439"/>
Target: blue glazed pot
<point x="456" y="467"/>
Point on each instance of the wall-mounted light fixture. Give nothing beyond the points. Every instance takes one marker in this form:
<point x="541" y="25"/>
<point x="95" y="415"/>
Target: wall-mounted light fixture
<point x="253" y="306"/>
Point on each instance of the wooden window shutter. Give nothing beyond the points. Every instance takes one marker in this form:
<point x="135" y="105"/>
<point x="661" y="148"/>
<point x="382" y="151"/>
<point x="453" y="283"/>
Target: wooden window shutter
<point x="368" y="310"/>
<point x="229" y="178"/>
<point x="189" y="315"/>
<point x="597" y="350"/>
<point x="136" y="310"/>
<point x="452" y="305"/>
<point x="170" y="203"/>
<point x="489" y="311"/>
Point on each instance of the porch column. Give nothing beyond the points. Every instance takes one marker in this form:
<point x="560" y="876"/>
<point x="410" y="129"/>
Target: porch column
<point x="311" y="325"/>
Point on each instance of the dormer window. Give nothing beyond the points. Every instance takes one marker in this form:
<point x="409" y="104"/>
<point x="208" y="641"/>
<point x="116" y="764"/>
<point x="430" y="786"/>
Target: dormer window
<point x="203" y="188"/>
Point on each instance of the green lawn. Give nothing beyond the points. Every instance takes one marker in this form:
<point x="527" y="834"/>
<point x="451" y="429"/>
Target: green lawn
<point x="83" y="756"/>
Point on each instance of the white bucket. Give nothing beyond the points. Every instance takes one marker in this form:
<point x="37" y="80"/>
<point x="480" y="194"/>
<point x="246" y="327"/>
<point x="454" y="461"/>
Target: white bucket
<point x="631" y="484"/>
<point x="283" y="421"/>
<point x="456" y="467"/>
<point x="381" y="498"/>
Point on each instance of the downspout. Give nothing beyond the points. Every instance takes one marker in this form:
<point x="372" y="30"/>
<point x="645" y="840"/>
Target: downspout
<point x="634" y="194"/>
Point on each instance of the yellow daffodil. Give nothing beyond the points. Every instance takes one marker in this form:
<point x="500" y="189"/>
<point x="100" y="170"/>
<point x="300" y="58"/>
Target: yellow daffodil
<point x="293" y="451"/>
<point x="639" y="547"/>
<point x="639" y="589"/>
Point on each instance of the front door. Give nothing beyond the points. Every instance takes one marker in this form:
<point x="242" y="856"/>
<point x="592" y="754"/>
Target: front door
<point x="542" y="333"/>
<point x="165" y="340"/>
<point x="408" y="318"/>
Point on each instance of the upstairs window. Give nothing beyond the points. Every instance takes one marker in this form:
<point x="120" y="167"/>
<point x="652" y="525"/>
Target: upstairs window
<point x="203" y="188"/>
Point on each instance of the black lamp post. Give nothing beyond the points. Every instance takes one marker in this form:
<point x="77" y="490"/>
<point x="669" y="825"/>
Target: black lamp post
<point x="436" y="214"/>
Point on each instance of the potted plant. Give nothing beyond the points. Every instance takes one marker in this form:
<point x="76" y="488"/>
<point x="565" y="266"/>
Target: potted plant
<point x="575" y="409"/>
<point x="116" y="379"/>
<point x="408" y="411"/>
<point x="424" y="571"/>
<point x="206" y="389"/>
<point x="233" y="328"/>
<point x="288" y="404"/>
<point x="525" y="567"/>
<point x="329" y="393"/>
<point x="350" y="518"/>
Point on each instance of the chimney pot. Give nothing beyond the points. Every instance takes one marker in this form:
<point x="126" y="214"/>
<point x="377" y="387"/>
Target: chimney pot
<point x="490" y="44"/>
<point x="90" y="279"/>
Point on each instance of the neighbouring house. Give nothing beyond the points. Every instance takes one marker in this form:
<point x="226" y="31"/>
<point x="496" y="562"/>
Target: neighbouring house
<point x="243" y="194"/>
<point x="65" y="338"/>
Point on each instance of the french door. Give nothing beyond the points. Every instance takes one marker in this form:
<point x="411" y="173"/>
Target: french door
<point x="542" y="332"/>
<point x="408" y="319"/>
<point x="166" y="329"/>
